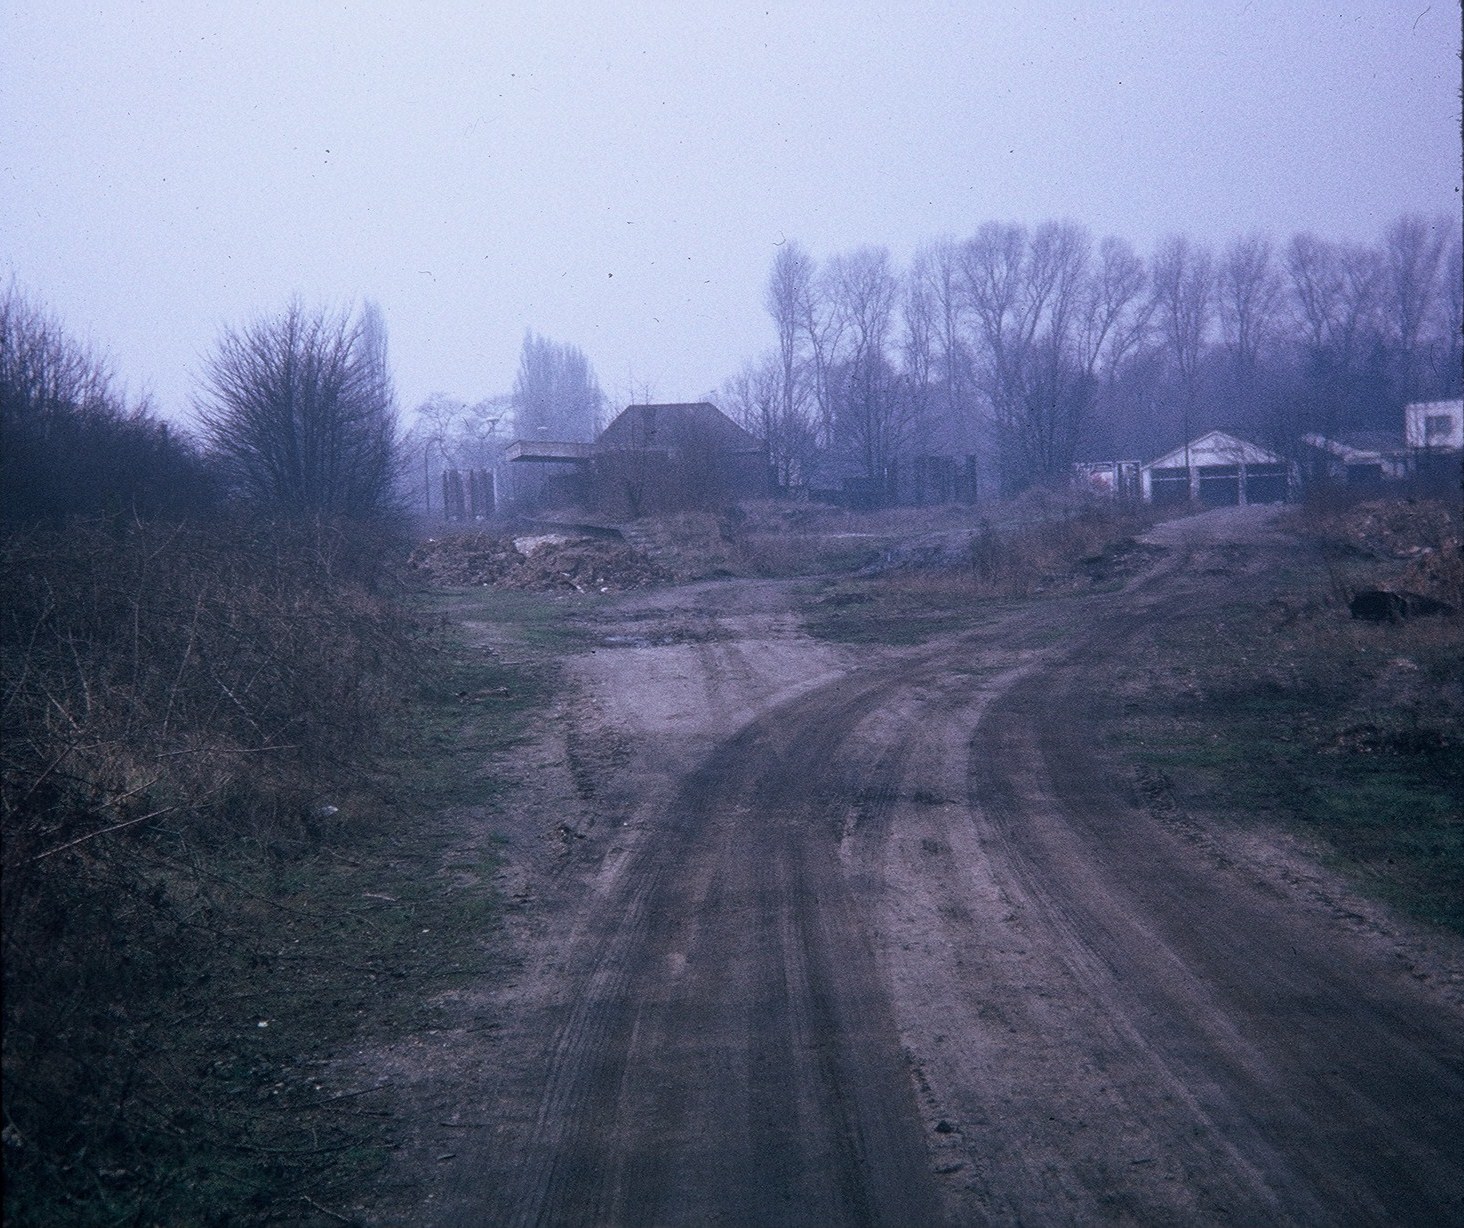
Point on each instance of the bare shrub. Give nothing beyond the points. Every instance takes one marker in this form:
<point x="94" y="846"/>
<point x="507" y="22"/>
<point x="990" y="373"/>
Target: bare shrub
<point x="299" y="412"/>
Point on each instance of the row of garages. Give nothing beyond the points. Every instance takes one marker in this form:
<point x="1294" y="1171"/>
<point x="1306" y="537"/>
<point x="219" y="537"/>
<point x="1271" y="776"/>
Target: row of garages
<point x="1217" y="470"/>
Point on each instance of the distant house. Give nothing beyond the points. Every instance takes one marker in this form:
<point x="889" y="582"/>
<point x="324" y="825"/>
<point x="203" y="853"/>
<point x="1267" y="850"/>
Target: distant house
<point x="1360" y="459"/>
<point x="1434" y="431"/>
<point x="663" y="458"/>
<point x="1428" y="450"/>
<point x="1434" y="426"/>
<point x="659" y="458"/>
<point x="1217" y="470"/>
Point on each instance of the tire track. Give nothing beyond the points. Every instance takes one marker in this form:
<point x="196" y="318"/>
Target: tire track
<point x="731" y="1055"/>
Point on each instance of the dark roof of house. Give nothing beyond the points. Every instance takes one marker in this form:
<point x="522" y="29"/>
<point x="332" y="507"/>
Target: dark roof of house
<point x="670" y="427"/>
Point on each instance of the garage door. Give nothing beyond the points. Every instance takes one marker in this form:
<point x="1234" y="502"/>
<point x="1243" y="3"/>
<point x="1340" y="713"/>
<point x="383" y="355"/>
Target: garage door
<point x="1219" y="485"/>
<point x="1267" y="483"/>
<point x="1169" y="486"/>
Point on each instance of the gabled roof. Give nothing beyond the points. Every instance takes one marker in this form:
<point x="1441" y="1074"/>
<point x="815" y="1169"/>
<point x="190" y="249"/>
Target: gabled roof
<point x="1216" y="448"/>
<point x="670" y="427"/>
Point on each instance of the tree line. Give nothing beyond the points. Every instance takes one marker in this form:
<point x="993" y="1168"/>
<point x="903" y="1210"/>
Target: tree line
<point x="296" y="417"/>
<point x="1024" y="347"/>
<point x="1033" y="347"/>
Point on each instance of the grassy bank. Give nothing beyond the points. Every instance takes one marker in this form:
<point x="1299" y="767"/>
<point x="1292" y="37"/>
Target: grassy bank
<point x="948" y="579"/>
<point x="1279" y="708"/>
<point x="232" y="860"/>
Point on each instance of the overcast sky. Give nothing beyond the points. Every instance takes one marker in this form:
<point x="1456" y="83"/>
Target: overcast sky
<point x="618" y="175"/>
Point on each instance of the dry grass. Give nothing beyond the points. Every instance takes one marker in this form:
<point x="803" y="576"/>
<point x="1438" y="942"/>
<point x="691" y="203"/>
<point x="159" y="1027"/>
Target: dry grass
<point x="935" y="579"/>
<point x="1349" y="733"/>
<point x="190" y="717"/>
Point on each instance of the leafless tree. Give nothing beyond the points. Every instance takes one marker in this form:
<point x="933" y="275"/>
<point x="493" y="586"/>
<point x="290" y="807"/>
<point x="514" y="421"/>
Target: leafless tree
<point x="870" y="409"/>
<point x="1182" y="277"/>
<point x="1116" y="313"/>
<point x="1335" y="289"/>
<point x="919" y="322"/>
<point x="936" y="286"/>
<point x="556" y="393"/>
<point x="297" y="408"/>
<point x="1060" y="384"/>
<point x="1447" y="345"/>
<point x="788" y="300"/>
<point x="1049" y="320"/>
<point x="754" y="399"/>
<point x="1249" y="296"/>
<point x="1413" y="253"/>
<point x="993" y="267"/>
<point x="824" y="325"/>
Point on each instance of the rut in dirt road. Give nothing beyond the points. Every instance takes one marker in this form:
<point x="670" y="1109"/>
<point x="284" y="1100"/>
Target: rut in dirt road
<point x="732" y="1056"/>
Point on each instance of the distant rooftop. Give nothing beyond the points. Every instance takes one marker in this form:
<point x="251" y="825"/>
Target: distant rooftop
<point x="550" y="451"/>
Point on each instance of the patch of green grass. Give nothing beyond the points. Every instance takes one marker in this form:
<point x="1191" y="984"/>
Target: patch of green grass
<point x="546" y="623"/>
<point x="1350" y="734"/>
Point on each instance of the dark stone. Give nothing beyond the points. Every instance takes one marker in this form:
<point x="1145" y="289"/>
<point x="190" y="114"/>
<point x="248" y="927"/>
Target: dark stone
<point x="1381" y="605"/>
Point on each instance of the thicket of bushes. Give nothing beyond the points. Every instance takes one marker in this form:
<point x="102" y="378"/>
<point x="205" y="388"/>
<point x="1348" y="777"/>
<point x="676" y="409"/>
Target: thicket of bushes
<point x="191" y="688"/>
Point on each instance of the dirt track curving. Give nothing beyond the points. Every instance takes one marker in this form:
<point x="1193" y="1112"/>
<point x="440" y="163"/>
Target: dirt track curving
<point x="886" y="936"/>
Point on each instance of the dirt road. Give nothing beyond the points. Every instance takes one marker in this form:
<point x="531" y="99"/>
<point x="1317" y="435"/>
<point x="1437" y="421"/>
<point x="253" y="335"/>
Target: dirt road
<point x="841" y="935"/>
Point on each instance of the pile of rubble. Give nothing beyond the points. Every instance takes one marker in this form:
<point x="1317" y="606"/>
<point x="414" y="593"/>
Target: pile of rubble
<point x="1420" y="537"/>
<point x="547" y="562"/>
<point x="1401" y="529"/>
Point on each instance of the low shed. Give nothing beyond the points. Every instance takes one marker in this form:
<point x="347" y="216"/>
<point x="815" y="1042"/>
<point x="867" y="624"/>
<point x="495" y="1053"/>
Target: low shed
<point x="1217" y="470"/>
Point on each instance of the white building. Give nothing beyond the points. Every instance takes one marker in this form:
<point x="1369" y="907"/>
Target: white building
<point x="1361" y="458"/>
<point x="1434" y="426"/>
<point x="1217" y="470"/>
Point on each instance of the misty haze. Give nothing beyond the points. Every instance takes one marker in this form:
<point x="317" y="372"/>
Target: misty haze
<point x="804" y="615"/>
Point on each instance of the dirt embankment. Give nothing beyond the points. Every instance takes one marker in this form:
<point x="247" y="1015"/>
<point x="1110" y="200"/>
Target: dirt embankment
<point x="821" y="934"/>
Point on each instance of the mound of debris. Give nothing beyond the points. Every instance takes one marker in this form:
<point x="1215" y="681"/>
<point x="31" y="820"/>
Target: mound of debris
<point x="547" y="562"/>
<point x="1421" y="539"/>
<point x="1400" y="529"/>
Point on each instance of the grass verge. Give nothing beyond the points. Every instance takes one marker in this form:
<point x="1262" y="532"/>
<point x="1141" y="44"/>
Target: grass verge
<point x="184" y="996"/>
<point x="1347" y="733"/>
